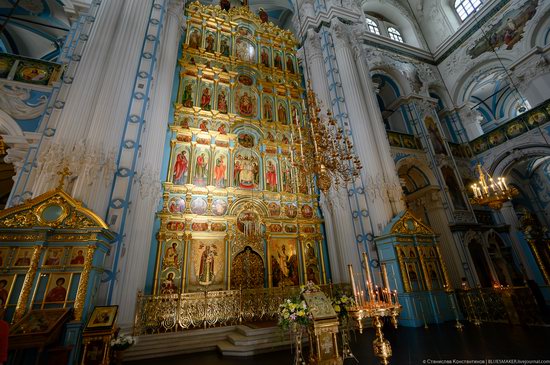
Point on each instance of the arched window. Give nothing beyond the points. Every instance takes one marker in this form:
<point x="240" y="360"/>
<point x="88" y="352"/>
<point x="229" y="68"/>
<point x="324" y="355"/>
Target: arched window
<point x="466" y="7"/>
<point x="373" y="26"/>
<point x="395" y="35"/>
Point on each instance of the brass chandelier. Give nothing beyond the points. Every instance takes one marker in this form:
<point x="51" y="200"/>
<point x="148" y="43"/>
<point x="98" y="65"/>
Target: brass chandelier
<point x="326" y="152"/>
<point x="490" y="191"/>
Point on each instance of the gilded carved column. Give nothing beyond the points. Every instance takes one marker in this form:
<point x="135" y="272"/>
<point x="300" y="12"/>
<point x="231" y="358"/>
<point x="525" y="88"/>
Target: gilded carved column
<point x="27" y="285"/>
<point x="82" y="290"/>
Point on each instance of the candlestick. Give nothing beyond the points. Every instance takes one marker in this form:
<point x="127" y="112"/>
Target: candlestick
<point x="385" y="276"/>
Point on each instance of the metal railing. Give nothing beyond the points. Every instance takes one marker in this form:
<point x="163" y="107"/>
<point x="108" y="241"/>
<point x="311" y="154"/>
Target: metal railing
<point x="176" y="312"/>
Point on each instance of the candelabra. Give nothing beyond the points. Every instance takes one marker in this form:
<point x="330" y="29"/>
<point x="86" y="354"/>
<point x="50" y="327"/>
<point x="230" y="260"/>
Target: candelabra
<point x="490" y="191"/>
<point x="322" y="148"/>
<point x="377" y="303"/>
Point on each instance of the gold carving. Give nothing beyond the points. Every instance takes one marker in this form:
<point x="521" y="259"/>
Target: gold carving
<point x="83" y="284"/>
<point x="409" y="224"/>
<point x="27" y="285"/>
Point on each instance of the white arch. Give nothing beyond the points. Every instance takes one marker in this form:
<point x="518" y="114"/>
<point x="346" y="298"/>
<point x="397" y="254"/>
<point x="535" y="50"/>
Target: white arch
<point x="506" y="159"/>
<point x="8" y="125"/>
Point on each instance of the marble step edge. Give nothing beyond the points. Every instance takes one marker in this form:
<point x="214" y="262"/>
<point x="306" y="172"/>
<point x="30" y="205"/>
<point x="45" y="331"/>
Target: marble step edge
<point x="226" y="348"/>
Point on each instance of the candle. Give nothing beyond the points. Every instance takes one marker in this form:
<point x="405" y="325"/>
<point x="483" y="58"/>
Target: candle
<point x="353" y="287"/>
<point x="369" y="278"/>
<point x="385" y="276"/>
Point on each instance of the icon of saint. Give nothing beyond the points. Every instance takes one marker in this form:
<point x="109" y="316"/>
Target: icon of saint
<point x="219" y="172"/>
<point x="268" y="110"/>
<point x="180" y="169"/>
<point x="53" y="259"/>
<point x="206" y="269"/>
<point x="23" y="261"/>
<point x="201" y="169"/>
<point x="289" y="65"/>
<point x="171" y="256"/>
<point x="245" y="104"/>
<point x="222" y="102"/>
<point x="271" y="176"/>
<point x="281" y="114"/>
<point x="168" y="286"/>
<point x="210" y="43"/>
<point x="264" y="58"/>
<point x="187" y="98"/>
<point x="58" y="293"/>
<point x="205" y="99"/>
<point x="194" y="39"/>
<point x="78" y="259"/>
<point x="278" y="61"/>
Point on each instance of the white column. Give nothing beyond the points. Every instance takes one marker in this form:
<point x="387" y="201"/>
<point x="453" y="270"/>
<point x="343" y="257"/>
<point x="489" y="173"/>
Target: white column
<point x="471" y="121"/>
<point x="75" y="115"/>
<point x="145" y="198"/>
<point x="343" y="251"/>
<point x="364" y="139"/>
<point x="93" y="118"/>
<point x="376" y="123"/>
<point x="510" y="218"/>
<point x="316" y="72"/>
<point x="449" y="250"/>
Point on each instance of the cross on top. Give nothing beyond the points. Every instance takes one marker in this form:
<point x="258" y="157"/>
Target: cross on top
<point x="62" y="174"/>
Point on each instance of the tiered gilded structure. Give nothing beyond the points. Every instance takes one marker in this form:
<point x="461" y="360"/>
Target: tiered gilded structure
<point x="236" y="213"/>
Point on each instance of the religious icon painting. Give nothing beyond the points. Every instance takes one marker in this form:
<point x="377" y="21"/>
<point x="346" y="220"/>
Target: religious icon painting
<point x="246" y="171"/>
<point x="296" y="114"/>
<point x="169" y="281"/>
<point x="222" y="100"/>
<point x="220" y="169"/>
<point x="172" y="254"/>
<point x="53" y="256"/>
<point x="267" y="109"/>
<point x="57" y="288"/>
<point x="199" y="226"/>
<point x="206" y="96"/>
<point x="286" y="175"/>
<point x="207" y="264"/>
<point x="435" y="136"/>
<point x="283" y="262"/>
<point x="102" y="317"/>
<point x="6" y="64"/>
<point x="537" y="118"/>
<point x="34" y="73"/>
<point x="4" y="252"/>
<point x="218" y="227"/>
<point x="245" y="50"/>
<point x="188" y="94"/>
<point x="210" y="42"/>
<point x="245" y="102"/>
<point x="6" y="283"/>
<point x="246" y="140"/>
<point x="271" y="178"/>
<point x="225" y="46"/>
<point x="77" y="257"/>
<point x="307" y="211"/>
<point x="515" y="129"/>
<point x="23" y="257"/>
<point x="278" y="60"/>
<point x="282" y="113"/>
<point x="176" y="204"/>
<point x="290" y="64"/>
<point x="274" y="209"/>
<point x="264" y="57"/>
<point x="311" y="263"/>
<point x="199" y="206"/>
<point x="180" y="167"/>
<point x="219" y="206"/>
<point x="194" y="38"/>
<point x="222" y="129"/>
<point x="291" y="211"/>
<point x="186" y="122"/>
<point x="201" y="167"/>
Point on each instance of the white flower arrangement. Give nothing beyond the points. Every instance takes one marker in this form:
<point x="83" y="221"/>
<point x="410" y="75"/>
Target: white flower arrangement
<point x="123" y="342"/>
<point x="294" y="311"/>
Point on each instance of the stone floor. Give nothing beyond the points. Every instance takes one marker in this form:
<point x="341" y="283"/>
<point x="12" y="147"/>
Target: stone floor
<point x="413" y="346"/>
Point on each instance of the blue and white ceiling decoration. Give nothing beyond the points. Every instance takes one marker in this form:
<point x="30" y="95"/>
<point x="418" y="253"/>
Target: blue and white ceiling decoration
<point x="35" y="28"/>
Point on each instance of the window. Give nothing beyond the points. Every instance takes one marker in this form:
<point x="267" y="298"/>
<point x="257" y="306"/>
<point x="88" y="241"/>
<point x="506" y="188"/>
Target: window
<point x="394" y="34"/>
<point x="373" y="27"/>
<point x="466" y="7"/>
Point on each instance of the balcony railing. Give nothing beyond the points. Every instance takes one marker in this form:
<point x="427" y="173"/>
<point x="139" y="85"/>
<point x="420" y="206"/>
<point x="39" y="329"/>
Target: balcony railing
<point x="402" y="140"/>
<point x="521" y="124"/>
<point x="29" y="70"/>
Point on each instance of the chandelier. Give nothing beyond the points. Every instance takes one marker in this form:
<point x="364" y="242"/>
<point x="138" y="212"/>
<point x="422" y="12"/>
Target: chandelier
<point x="490" y="191"/>
<point x="326" y="153"/>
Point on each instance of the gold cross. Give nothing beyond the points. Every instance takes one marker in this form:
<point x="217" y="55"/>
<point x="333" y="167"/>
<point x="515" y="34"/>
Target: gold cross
<point x="62" y="174"/>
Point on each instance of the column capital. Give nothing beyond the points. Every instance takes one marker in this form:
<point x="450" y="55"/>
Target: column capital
<point x="312" y="45"/>
<point x="340" y="34"/>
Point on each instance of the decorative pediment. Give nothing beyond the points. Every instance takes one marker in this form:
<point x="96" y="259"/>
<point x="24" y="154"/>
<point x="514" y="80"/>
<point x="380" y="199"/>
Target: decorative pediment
<point x="407" y="223"/>
<point x="55" y="209"/>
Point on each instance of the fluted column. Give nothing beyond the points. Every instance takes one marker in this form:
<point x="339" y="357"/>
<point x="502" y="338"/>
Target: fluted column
<point x="316" y="68"/>
<point x="345" y="249"/>
<point x="376" y="123"/>
<point x="75" y="114"/>
<point x="145" y="199"/>
<point x="380" y="211"/>
<point x="440" y="224"/>
<point x="510" y="218"/>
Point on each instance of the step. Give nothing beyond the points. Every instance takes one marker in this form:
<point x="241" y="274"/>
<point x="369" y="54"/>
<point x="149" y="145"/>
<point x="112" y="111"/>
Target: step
<point x="226" y="348"/>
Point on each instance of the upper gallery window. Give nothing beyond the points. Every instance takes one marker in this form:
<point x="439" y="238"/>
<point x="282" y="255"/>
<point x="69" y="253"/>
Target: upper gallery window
<point x="373" y="26"/>
<point x="394" y="34"/>
<point x="465" y="8"/>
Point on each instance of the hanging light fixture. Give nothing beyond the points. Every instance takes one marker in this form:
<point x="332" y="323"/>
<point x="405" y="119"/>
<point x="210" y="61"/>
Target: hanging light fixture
<point x="491" y="191"/>
<point x="330" y="155"/>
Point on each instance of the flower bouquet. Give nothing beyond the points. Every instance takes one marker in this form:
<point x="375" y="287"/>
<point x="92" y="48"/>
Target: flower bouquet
<point x="122" y="342"/>
<point x="342" y="304"/>
<point x="310" y="287"/>
<point x="293" y="313"/>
